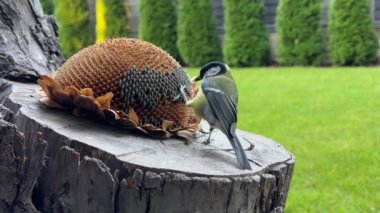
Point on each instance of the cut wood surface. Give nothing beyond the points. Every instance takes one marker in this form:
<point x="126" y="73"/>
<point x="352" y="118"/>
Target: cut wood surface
<point x="124" y="171"/>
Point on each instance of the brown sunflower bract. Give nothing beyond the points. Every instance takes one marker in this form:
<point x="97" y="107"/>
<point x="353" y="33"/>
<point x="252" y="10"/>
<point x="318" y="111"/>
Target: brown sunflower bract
<point x="126" y="82"/>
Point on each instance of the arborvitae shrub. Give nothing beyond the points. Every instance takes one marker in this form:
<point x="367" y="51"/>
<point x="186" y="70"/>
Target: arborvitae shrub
<point x="246" y="40"/>
<point x="158" y="24"/>
<point x="73" y="23"/>
<point x="299" y="31"/>
<point x="198" y="41"/>
<point x="117" y="18"/>
<point x="352" y="35"/>
<point x="48" y="6"/>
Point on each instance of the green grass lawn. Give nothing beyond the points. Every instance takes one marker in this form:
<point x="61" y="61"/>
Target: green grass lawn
<point x="330" y="119"/>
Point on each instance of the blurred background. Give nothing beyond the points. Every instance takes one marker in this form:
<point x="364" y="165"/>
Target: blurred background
<point x="306" y="72"/>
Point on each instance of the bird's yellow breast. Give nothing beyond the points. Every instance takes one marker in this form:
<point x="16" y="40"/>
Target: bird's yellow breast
<point x="198" y="103"/>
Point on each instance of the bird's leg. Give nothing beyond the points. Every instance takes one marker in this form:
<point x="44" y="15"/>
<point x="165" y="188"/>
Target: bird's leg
<point x="208" y="141"/>
<point x="250" y="148"/>
<point x="204" y="131"/>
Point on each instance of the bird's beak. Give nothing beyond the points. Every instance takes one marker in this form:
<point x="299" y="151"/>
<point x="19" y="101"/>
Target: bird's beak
<point x="197" y="78"/>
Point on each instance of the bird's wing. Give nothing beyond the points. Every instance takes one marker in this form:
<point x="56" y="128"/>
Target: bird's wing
<point x="223" y="102"/>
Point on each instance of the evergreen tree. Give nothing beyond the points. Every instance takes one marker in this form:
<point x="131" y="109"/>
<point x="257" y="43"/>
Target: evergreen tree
<point x="198" y="41"/>
<point x="158" y="24"/>
<point x="246" y="40"/>
<point x="352" y="35"/>
<point x="73" y="23"/>
<point x="299" y="31"/>
<point x="48" y="6"/>
<point x="117" y="18"/>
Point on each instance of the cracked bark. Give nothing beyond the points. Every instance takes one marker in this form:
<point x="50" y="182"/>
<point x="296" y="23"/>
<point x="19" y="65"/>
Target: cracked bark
<point x="93" y="167"/>
<point x="19" y="167"/>
<point x="29" y="45"/>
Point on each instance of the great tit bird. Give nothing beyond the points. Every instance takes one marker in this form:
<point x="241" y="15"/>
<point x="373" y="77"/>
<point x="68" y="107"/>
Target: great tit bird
<point x="217" y="102"/>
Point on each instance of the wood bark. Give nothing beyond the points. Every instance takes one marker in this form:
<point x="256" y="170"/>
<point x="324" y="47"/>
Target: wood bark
<point x="93" y="167"/>
<point x="19" y="167"/>
<point x="5" y="90"/>
<point x="29" y="45"/>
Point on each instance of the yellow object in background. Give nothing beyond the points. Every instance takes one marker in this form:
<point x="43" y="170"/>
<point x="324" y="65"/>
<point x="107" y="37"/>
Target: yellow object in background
<point x="100" y="21"/>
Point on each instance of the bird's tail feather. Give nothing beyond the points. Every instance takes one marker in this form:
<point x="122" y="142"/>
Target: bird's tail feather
<point x="239" y="151"/>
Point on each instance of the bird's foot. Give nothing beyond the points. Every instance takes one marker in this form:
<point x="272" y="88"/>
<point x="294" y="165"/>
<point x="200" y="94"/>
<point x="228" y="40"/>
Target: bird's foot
<point x="207" y="142"/>
<point x="188" y="142"/>
<point x="250" y="148"/>
<point x="204" y="131"/>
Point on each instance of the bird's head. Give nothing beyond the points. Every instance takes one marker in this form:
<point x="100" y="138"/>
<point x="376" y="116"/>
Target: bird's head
<point x="212" y="69"/>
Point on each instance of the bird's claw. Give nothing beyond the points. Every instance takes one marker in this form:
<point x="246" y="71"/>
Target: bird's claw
<point x="207" y="142"/>
<point x="204" y="132"/>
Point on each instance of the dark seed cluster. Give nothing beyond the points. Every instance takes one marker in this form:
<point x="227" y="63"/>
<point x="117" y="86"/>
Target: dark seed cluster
<point x="150" y="120"/>
<point x="147" y="87"/>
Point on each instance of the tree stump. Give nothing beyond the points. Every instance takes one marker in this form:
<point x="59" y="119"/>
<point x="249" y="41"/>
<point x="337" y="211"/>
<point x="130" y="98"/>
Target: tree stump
<point x="95" y="167"/>
<point x="19" y="167"/>
<point x="54" y="162"/>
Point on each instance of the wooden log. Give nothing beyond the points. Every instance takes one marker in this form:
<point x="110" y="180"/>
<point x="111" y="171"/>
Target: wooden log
<point x="5" y="90"/>
<point x="29" y="45"/>
<point x="8" y="165"/>
<point x="19" y="167"/>
<point x="92" y="166"/>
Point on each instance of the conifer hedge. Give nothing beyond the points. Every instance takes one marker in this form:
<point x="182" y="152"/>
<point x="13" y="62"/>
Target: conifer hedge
<point x="246" y="40"/>
<point x="299" y="30"/>
<point x="48" y="6"/>
<point x="73" y="22"/>
<point x="352" y="35"/>
<point x="117" y="18"/>
<point x="158" y="24"/>
<point x="198" y="41"/>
